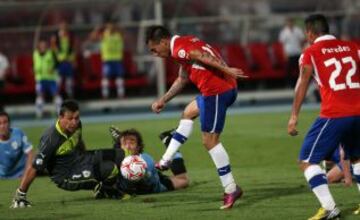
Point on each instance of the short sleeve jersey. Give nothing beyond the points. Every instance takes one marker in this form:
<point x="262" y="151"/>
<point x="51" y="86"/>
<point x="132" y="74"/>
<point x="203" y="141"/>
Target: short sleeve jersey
<point x="336" y="70"/>
<point x="207" y="79"/>
<point x="13" y="154"/>
<point x="58" y="152"/>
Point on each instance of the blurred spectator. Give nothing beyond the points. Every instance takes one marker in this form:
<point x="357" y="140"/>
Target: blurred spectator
<point x="62" y="44"/>
<point x="292" y="38"/>
<point x="112" y="51"/>
<point x="45" y="77"/>
<point x="4" y="66"/>
<point x="15" y="150"/>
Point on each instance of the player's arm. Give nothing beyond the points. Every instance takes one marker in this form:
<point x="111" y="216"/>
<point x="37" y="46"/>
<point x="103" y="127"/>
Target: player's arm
<point x="175" y="89"/>
<point x="215" y="62"/>
<point x="300" y="93"/>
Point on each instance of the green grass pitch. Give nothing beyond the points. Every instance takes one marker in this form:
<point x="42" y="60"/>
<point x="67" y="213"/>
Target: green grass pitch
<point x="263" y="159"/>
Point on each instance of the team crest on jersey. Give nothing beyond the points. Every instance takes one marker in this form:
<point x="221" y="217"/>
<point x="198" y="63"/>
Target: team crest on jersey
<point x="181" y="53"/>
<point x="14" y="145"/>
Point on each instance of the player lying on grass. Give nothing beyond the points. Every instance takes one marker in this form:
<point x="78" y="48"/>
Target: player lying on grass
<point x="154" y="182"/>
<point x="62" y="153"/>
<point x="341" y="169"/>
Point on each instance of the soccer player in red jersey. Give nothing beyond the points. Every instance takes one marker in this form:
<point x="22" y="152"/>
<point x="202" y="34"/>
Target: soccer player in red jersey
<point x="203" y="66"/>
<point x="335" y="66"/>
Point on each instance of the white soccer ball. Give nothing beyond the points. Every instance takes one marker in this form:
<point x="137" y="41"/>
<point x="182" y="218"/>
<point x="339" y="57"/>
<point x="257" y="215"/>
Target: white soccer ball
<point x="133" y="168"/>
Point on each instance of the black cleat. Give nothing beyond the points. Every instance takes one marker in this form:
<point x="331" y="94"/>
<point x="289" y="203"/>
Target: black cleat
<point x="166" y="136"/>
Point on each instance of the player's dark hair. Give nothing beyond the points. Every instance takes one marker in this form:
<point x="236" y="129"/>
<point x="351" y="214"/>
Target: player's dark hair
<point x="317" y="24"/>
<point x="4" y="113"/>
<point x="137" y="135"/>
<point x="156" y="33"/>
<point x="69" y="105"/>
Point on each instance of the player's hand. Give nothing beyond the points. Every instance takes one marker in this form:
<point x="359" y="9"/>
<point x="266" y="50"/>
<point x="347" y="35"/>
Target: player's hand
<point x="19" y="200"/>
<point x="158" y="106"/>
<point x="236" y="73"/>
<point x="292" y="126"/>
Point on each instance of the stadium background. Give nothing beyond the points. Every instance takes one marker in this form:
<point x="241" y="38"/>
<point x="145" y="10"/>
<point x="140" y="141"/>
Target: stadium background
<point x="246" y="32"/>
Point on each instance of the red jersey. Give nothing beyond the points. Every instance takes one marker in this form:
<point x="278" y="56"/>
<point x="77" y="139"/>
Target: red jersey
<point x="208" y="80"/>
<point x="336" y="70"/>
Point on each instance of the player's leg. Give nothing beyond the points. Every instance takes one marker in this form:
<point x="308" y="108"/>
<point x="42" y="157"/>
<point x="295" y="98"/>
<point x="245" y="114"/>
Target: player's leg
<point x="119" y="81"/>
<point x="322" y="139"/>
<point x="335" y="174"/>
<point x="212" y="118"/>
<point x="39" y="102"/>
<point x="106" y="71"/>
<point x="55" y="93"/>
<point x="182" y="133"/>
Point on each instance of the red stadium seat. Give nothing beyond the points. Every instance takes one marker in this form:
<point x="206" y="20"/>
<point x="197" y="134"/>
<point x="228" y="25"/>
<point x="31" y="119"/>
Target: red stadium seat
<point x="91" y="79"/>
<point x="24" y="75"/>
<point x="262" y="66"/>
<point x="235" y="56"/>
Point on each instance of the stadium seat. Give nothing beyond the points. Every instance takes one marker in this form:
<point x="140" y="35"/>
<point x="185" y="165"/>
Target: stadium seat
<point x="261" y="63"/>
<point x="91" y="79"/>
<point x="22" y="78"/>
<point x="235" y="56"/>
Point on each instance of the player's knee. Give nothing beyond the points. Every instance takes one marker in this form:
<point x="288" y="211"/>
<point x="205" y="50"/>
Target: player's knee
<point x="303" y="165"/>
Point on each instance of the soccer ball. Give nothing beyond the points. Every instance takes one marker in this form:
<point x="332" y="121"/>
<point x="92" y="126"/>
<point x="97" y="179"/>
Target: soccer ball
<point x="133" y="168"/>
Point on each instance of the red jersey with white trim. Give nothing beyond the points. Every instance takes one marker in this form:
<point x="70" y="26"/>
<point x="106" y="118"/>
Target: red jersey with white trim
<point x="208" y="80"/>
<point x="336" y="66"/>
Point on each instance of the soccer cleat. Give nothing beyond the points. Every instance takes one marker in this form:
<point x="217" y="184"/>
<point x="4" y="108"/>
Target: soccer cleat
<point x="163" y="165"/>
<point x="323" y="214"/>
<point x="229" y="199"/>
<point x="115" y="133"/>
<point x="19" y="200"/>
<point x="166" y="136"/>
<point x="357" y="211"/>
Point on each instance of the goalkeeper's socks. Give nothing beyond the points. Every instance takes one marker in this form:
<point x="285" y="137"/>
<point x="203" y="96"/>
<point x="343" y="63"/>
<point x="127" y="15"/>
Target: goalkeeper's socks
<point x="317" y="180"/>
<point x="179" y="137"/>
<point x="177" y="166"/>
<point x="222" y="163"/>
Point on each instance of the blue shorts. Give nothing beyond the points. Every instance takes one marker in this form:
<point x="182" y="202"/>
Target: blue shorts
<point x="47" y="87"/>
<point x="113" y="69"/>
<point x="326" y="134"/>
<point x="65" y="69"/>
<point x="213" y="110"/>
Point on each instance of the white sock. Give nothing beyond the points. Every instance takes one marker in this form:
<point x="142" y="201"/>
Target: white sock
<point x="57" y="102"/>
<point x="105" y="88"/>
<point x="222" y="163"/>
<point x="322" y="191"/>
<point x="69" y="86"/>
<point x="120" y="87"/>
<point x="184" y="129"/>
<point x="39" y="103"/>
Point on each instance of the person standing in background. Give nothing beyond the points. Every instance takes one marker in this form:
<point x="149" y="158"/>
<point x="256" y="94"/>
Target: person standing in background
<point x="292" y="39"/>
<point x="112" y="52"/>
<point x="62" y="43"/>
<point x="45" y="77"/>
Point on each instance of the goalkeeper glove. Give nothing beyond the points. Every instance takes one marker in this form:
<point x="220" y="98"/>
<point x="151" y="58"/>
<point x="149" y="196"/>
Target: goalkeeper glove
<point x="115" y="133"/>
<point x="19" y="200"/>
